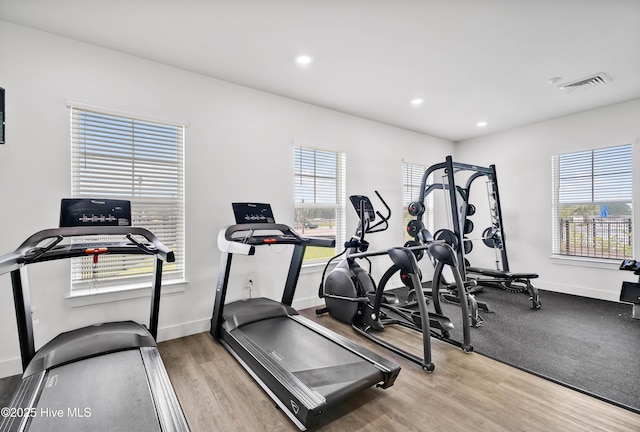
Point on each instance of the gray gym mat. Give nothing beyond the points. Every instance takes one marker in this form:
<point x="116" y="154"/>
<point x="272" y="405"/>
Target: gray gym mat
<point x="590" y="345"/>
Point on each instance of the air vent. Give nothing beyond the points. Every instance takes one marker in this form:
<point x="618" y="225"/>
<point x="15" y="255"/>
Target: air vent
<point x="585" y="83"/>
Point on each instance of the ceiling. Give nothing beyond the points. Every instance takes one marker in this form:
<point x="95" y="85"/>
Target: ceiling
<point x="469" y="60"/>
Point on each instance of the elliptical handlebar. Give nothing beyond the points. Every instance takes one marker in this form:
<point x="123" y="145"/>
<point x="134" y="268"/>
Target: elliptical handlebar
<point x="383" y="219"/>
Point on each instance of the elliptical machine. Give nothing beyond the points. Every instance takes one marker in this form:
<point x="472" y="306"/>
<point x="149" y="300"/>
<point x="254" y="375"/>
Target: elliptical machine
<point x="346" y="280"/>
<point x="352" y="296"/>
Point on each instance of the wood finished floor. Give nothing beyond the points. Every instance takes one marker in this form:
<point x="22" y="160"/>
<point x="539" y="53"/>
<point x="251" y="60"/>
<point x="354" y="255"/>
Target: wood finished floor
<point x="467" y="392"/>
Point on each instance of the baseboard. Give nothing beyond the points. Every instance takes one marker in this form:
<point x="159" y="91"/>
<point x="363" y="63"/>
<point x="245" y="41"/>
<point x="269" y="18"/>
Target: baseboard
<point x="10" y="367"/>
<point x="184" y="329"/>
<point x="577" y="290"/>
<point x="13" y="366"/>
<point x="309" y="302"/>
<point x="203" y="325"/>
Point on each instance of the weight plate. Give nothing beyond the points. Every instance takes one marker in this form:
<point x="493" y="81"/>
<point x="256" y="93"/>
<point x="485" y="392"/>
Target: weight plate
<point x="471" y="209"/>
<point x="448" y="237"/>
<point x="468" y="246"/>
<point x="491" y="237"/>
<point x="468" y="226"/>
<point x="416" y="208"/>
<point x="468" y="209"/>
<point x="419" y="253"/>
<point x="414" y="227"/>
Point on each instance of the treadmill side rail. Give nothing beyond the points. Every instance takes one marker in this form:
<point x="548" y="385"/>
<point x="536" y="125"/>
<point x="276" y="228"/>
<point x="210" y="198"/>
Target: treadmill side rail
<point x="169" y="410"/>
<point x="298" y="401"/>
<point x="23" y="402"/>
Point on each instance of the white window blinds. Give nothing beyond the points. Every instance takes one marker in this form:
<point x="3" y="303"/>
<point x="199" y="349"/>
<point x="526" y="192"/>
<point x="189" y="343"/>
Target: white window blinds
<point x="596" y="176"/>
<point x="138" y="160"/>
<point x="318" y="176"/>
<point x="592" y="203"/>
<point x="320" y="196"/>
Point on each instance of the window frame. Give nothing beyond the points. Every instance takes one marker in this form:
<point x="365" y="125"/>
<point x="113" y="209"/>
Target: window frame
<point x="162" y="198"/>
<point x="600" y="158"/>
<point x="340" y="197"/>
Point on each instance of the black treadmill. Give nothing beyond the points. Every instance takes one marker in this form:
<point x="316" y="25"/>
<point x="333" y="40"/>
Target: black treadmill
<point x="304" y="367"/>
<point x="105" y="377"/>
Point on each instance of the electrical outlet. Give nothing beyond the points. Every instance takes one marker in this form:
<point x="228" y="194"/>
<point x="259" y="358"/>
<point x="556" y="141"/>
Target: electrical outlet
<point x="250" y="286"/>
<point x="34" y="315"/>
<point x="251" y="282"/>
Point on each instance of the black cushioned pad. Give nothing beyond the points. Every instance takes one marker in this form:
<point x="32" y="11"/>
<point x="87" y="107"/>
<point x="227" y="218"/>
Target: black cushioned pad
<point x="243" y="312"/>
<point x="501" y="274"/>
<point x="88" y="342"/>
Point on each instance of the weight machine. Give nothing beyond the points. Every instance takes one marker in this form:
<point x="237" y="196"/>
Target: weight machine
<point x="630" y="292"/>
<point x="461" y="209"/>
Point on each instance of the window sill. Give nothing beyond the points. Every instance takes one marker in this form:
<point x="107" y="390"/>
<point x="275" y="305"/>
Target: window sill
<point x="317" y="267"/>
<point x="600" y="263"/>
<point x="119" y="293"/>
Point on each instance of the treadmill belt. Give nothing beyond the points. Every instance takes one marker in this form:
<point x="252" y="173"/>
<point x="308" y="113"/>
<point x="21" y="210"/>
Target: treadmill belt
<point x="318" y="362"/>
<point x="108" y="392"/>
<point x="320" y="377"/>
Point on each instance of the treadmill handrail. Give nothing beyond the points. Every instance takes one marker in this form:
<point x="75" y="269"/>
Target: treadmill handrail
<point x="29" y="252"/>
<point x="245" y="244"/>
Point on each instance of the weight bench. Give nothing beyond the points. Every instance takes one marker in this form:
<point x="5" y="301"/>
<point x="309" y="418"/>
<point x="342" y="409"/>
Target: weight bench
<point x="512" y="282"/>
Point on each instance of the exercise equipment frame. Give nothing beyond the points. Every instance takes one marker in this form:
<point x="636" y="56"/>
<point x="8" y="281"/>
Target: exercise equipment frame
<point x="501" y="277"/>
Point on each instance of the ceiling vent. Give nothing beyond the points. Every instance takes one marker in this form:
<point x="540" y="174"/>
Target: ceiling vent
<point x="596" y="80"/>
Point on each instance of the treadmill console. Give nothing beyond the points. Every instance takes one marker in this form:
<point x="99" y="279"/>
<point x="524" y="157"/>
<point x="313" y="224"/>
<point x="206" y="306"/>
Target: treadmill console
<point x="75" y="212"/>
<point x="252" y="213"/>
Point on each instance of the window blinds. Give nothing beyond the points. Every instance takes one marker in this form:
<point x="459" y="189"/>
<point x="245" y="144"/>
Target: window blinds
<point x="412" y="176"/>
<point x="595" y="176"/>
<point x="319" y="176"/>
<point x="138" y="160"/>
<point x="592" y="203"/>
<point x="320" y="182"/>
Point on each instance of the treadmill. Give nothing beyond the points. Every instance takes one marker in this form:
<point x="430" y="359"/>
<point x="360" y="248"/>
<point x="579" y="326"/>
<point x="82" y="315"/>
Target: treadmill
<point x="304" y="367"/>
<point x="105" y="377"/>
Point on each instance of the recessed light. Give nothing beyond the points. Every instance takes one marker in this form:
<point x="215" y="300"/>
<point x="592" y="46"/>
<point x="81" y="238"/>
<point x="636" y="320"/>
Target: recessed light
<point x="417" y="102"/>
<point x="481" y="124"/>
<point x="304" y="59"/>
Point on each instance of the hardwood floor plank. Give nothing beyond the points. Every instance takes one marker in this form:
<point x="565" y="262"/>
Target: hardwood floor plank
<point x="467" y="391"/>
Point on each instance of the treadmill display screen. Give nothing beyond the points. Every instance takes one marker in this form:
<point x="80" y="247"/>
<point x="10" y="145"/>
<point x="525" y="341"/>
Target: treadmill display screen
<point x="91" y="212"/>
<point x="251" y="213"/>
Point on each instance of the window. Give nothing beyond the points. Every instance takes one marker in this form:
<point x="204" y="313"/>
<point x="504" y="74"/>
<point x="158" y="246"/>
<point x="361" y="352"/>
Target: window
<point x="138" y="160"/>
<point x="411" y="179"/>
<point x="592" y="203"/>
<point x="320" y="197"/>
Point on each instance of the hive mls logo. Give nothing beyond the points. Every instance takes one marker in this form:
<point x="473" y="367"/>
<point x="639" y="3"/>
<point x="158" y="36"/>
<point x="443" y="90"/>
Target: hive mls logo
<point x="78" y="412"/>
<point x="295" y="407"/>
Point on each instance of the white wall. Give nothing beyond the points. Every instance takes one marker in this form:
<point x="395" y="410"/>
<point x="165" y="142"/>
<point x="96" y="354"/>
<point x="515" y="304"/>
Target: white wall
<point x="238" y="147"/>
<point x="523" y="163"/>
